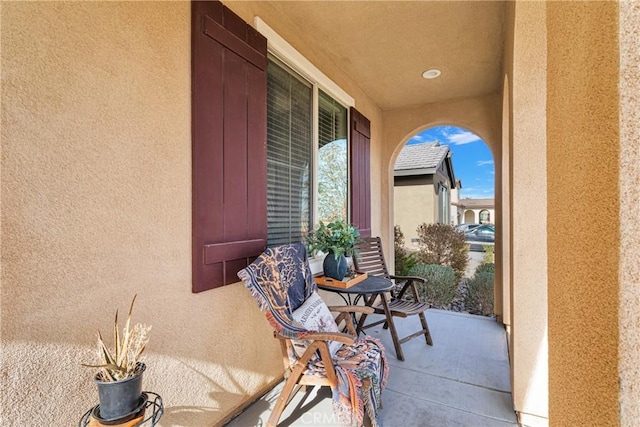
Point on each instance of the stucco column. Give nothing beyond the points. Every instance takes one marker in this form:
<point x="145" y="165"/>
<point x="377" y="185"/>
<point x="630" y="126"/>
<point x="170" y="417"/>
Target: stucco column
<point x="528" y="212"/>
<point x="583" y="152"/>
<point x="629" y="184"/>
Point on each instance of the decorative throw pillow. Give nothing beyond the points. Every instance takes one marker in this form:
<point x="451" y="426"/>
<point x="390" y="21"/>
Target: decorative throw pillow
<point x="315" y="316"/>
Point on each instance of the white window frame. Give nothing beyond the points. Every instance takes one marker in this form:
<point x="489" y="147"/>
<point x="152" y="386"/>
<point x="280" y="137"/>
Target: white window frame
<point x="287" y="54"/>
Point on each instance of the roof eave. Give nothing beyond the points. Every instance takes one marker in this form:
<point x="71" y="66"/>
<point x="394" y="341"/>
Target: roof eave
<point x="410" y="172"/>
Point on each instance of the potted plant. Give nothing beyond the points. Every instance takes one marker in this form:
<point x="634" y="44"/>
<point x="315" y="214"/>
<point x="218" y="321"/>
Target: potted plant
<point x="119" y="376"/>
<point x="337" y="240"/>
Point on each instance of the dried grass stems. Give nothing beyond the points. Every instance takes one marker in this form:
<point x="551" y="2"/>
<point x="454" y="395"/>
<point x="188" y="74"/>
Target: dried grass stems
<point x="121" y="362"/>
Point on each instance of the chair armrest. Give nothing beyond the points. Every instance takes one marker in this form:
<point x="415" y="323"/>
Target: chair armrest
<point x="410" y="283"/>
<point x="347" y="314"/>
<point x="419" y="279"/>
<point x="322" y="336"/>
<point x="351" y="309"/>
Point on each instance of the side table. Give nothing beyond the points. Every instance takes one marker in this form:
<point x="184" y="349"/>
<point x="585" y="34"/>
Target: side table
<point x="143" y="417"/>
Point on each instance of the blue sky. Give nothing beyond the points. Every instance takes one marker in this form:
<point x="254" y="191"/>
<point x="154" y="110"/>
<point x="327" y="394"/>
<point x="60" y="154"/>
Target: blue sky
<point x="472" y="159"/>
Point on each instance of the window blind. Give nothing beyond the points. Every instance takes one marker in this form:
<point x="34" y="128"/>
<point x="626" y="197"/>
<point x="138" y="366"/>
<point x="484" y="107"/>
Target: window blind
<point x="289" y="155"/>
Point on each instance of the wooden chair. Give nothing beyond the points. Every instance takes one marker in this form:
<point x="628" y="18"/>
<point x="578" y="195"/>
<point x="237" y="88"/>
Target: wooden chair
<point x="281" y="282"/>
<point x="370" y="259"/>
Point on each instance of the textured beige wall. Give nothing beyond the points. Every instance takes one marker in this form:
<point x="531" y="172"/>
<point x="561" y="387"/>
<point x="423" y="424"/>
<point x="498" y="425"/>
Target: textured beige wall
<point x="584" y="250"/>
<point x="96" y="206"/>
<point x="629" y="184"/>
<point x="414" y="204"/>
<point x="528" y="207"/>
<point x="502" y="293"/>
<point x="479" y="115"/>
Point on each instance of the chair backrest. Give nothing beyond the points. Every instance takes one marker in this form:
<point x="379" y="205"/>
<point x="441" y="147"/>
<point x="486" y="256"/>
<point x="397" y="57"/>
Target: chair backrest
<point x="280" y="280"/>
<point x="369" y="257"/>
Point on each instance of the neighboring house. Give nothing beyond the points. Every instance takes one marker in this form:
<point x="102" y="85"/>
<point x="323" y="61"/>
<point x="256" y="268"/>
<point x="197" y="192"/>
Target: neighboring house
<point x="479" y="211"/>
<point x="423" y="180"/>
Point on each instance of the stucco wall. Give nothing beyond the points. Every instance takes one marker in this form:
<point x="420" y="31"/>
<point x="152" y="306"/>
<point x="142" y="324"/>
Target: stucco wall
<point x="415" y="203"/>
<point x="584" y="283"/>
<point x="528" y="210"/>
<point x="629" y="184"/>
<point x="96" y="207"/>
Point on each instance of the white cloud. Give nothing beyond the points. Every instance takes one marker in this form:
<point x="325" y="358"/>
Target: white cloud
<point x="484" y="162"/>
<point x="477" y="192"/>
<point x="417" y="138"/>
<point x="461" y="137"/>
<point x="481" y="195"/>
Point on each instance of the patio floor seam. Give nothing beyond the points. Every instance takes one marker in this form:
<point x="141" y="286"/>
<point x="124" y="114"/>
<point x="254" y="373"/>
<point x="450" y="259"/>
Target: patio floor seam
<point x="451" y="379"/>
<point x="449" y="406"/>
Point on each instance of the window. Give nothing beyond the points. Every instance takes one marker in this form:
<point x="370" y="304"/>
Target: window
<point x="485" y="217"/>
<point x="292" y="128"/>
<point x="332" y="159"/>
<point x="289" y="155"/>
<point x="444" y="210"/>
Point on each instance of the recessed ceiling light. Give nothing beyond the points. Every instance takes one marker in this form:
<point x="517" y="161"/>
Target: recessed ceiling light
<point x="431" y="74"/>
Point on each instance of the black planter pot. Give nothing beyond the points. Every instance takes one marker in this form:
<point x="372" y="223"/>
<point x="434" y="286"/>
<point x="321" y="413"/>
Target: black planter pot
<point x="335" y="268"/>
<point x="121" y="399"/>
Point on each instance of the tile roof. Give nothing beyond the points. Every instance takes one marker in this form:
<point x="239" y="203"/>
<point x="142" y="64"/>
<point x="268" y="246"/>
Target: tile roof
<point x="421" y="156"/>
<point x="477" y="203"/>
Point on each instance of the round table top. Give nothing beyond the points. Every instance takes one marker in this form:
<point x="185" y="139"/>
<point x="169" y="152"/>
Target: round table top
<point x="370" y="285"/>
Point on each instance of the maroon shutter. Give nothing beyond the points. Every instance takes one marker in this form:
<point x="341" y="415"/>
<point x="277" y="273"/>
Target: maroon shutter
<point x="360" y="173"/>
<point x="229" y="122"/>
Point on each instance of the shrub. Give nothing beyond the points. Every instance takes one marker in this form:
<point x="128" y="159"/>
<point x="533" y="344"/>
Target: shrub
<point x="486" y="268"/>
<point x="479" y="298"/>
<point x="443" y="245"/>
<point x="489" y="251"/>
<point x="440" y="288"/>
<point x="404" y="260"/>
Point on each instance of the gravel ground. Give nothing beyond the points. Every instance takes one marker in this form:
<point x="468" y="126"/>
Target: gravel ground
<point x="475" y="258"/>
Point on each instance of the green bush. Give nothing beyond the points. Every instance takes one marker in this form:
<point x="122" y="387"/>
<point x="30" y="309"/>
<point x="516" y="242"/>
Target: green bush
<point x="404" y="260"/>
<point x="489" y="251"/>
<point x="442" y="244"/>
<point x="486" y="268"/>
<point x="440" y="288"/>
<point x="479" y="298"/>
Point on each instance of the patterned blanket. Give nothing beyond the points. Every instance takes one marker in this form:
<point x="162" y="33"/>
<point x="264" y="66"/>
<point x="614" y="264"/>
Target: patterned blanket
<point x="280" y="280"/>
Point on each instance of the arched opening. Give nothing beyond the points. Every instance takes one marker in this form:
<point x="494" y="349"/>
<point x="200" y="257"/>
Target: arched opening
<point x="485" y="216"/>
<point x="429" y="177"/>
<point x="481" y="116"/>
<point x="469" y="216"/>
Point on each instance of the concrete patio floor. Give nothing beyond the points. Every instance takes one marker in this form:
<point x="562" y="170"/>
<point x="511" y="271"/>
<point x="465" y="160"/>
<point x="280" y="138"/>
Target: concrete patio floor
<point x="463" y="380"/>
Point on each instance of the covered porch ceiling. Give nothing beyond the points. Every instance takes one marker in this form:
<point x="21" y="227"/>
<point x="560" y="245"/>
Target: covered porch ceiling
<point x="386" y="45"/>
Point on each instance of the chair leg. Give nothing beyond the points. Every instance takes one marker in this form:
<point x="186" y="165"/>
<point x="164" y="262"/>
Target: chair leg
<point x="425" y="327"/>
<point x="282" y="401"/>
<point x="392" y="329"/>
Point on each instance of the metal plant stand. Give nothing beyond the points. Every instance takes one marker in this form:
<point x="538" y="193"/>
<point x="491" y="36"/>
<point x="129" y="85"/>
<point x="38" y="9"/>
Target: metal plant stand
<point x="152" y="410"/>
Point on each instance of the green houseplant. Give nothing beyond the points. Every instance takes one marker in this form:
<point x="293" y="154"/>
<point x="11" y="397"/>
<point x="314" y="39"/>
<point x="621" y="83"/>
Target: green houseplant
<point x="119" y="376"/>
<point x="337" y="239"/>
